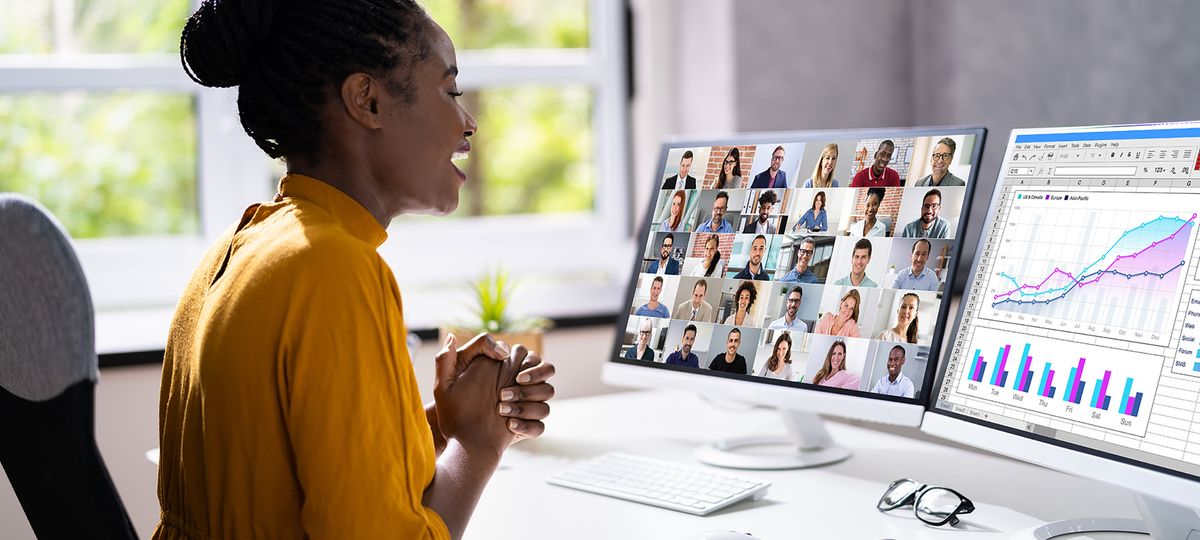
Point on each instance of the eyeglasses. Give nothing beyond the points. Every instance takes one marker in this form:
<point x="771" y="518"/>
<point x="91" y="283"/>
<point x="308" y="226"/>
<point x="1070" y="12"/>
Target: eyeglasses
<point x="776" y="158"/>
<point x="934" y="505"/>
<point x="930" y="206"/>
<point x="942" y="156"/>
<point x="807" y="252"/>
<point x="730" y="162"/>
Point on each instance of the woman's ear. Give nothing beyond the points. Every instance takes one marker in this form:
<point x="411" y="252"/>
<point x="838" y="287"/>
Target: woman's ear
<point x="360" y="94"/>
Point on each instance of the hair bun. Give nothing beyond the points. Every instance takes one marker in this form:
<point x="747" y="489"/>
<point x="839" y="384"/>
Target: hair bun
<point x="221" y="38"/>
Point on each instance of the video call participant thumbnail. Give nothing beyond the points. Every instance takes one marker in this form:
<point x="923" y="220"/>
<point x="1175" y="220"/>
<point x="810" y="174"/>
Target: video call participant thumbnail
<point x="879" y="174"/>
<point x="712" y="258"/>
<point x="918" y="276"/>
<point x="762" y="225"/>
<point x="907" y="324"/>
<point x="730" y="176"/>
<point x="773" y="177"/>
<point x="674" y="221"/>
<point x="833" y="371"/>
<point x="822" y="176"/>
<point x="654" y="308"/>
<point x="790" y="320"/>
<point x="779" y="365"/>
<point x="895" y="383"/>
<point x="815" y="219"/>
<point x="696" y="309"/>
<point x="665" y="264"/>
<point x="682" y="180"/>
<point x="683" y="356"/>
<point x="859" y="259"/>
<point x="717" y="223"/>
<point x="845" y="322"/>
<point x="939" y="161"/>
<point x="754" y="265"/>
<point x="641" y="350"/>
<point x="804" y="250"/>
<point x="747" y="293"/>
<point x="730" y="361"/>
<point x="930" y="224"/>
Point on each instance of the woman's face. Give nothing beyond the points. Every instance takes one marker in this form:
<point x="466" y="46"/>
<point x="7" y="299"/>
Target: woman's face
<point x="414" y="143"/>
<point x="818" y="202"/>
<point x="728" y="164"/>
<point x="908" y="309"/>
<point x="676" y="205"/>
<point x="828" y="163"/>
<point x="872" y="206"/>
<point x="781" y="350"/>
<point x="743" y="300"/>
<point x="837" y="358"/>
<point x="846" y="309"/>
<point x="710" y="248"/>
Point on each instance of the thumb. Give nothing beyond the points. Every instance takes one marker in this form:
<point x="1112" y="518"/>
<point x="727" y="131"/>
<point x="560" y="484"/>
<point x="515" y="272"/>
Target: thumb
<point x="483" y="345"/>
<point x="445" y="369"/>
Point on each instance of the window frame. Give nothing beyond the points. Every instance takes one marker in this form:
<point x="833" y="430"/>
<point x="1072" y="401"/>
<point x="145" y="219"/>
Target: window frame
<point x="147" y="273"/>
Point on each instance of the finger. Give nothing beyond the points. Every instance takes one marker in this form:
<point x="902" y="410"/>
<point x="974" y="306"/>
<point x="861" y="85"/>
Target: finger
<point x="539" y="372"/>
<point x="483" y="345"/>
<point x="526" y="428"/>
<point x="445" y="370"/>
<point x="525" y="410"/>
<point x="535" y="392"/>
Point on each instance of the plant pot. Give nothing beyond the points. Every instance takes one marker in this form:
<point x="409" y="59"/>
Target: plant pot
<point x="532" y="339"/>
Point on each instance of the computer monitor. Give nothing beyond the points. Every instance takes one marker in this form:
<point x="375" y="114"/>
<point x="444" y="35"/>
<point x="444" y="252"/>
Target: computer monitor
<point x="1077" y="341"/>
<point x="808" y="271"/>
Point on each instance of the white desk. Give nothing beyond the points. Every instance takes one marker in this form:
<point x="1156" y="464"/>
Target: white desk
<point x="831" y="502"/>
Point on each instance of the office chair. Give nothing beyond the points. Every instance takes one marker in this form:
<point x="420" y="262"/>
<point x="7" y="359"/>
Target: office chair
<point x="48" y="372"/>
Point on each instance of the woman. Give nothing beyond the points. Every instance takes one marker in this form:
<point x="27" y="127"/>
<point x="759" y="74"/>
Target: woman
<point x="833" y="372"/>
<point x="815" y="218"/>
<point x="907" y="325"/>
<point x="642" y="349"/>
<point x="845" y="323"/>
<point x="674" y="221"/>
<point x="730" y="176"/>
<point x="289" y="406"/>
<point x="822" y="176"/>
<point x="712" y="258"/>
<point x="779" y="366"/>
<point x="746" y="294"/>
<point x="870" y="226"/>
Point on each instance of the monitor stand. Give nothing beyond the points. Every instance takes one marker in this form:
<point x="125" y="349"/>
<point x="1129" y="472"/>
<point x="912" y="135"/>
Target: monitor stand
<point x="1160" y="519"/>
<point x="808" y="444"/>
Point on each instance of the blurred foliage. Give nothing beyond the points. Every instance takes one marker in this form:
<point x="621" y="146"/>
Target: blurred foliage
<point x="106" y="164"/>
<point x="124" y="163"/>
<point x="95" y="26"/>
<point x="507" y="24"/>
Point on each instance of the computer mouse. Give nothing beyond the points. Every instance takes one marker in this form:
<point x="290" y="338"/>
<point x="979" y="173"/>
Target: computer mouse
<point x="725" y="535"/>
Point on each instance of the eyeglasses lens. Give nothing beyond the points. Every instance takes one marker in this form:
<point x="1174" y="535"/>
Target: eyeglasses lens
<point x="936" y="505"/>
<point x="896" y="495"/>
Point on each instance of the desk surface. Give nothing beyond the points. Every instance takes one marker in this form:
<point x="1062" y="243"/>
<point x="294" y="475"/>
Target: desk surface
<point x="836" y="501"/>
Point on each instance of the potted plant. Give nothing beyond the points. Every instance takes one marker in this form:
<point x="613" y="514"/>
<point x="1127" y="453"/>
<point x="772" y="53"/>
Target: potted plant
<point x="491" y="294"/>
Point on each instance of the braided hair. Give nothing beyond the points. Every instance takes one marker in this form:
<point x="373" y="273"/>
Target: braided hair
<point x="290" y="56"/>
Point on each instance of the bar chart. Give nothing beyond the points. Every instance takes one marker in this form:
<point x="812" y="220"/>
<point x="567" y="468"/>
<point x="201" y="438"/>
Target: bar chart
<point x="1100" y="387"/>
<point x="1093" y="260"/>
<point x="1187" y="351"/>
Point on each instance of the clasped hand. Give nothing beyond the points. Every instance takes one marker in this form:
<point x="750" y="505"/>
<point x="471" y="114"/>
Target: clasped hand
<point x="490" y="395"/>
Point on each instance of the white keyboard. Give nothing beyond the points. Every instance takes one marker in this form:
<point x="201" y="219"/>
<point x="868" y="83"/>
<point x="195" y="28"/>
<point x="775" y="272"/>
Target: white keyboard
<point x="659" y="483"/>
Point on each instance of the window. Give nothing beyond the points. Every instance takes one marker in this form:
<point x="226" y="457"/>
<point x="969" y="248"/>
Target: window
<point x="145" y="168"/>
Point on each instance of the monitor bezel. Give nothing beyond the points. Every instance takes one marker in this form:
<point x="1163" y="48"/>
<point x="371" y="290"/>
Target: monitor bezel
<point x="1065" y="456"/>
<point x="827" y="400"/>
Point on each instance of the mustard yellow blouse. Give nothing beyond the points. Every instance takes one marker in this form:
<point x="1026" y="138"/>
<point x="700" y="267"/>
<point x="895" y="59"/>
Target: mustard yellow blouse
<point x="288" y="405"/>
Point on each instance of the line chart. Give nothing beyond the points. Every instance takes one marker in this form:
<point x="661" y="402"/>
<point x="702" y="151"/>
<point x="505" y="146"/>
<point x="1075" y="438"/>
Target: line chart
<point x="1098" y="260"/>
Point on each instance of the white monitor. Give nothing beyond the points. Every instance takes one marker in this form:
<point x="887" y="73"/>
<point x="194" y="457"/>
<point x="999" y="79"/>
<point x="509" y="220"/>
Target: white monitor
<point x="1077" y="342"/>
<point x="809" y="271"/>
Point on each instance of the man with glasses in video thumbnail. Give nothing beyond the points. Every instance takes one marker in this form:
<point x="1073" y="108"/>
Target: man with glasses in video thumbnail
<point x="804" y="254"/>
<point x="718" y="224"/>
<point x="939" y="161"/>
<point x="929" y="225"/>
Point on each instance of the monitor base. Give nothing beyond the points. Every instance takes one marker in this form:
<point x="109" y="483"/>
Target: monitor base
<point x="1160" y="519"/>
<point x="808" y="444"/>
